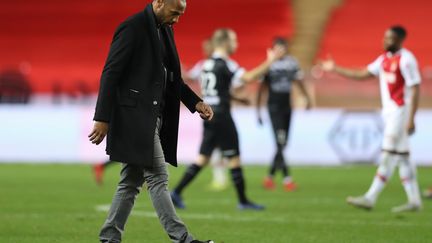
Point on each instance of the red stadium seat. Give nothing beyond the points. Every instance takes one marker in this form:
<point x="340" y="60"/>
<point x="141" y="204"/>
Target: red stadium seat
<point x="353" y="37"/>
<point x="67" y="41"/>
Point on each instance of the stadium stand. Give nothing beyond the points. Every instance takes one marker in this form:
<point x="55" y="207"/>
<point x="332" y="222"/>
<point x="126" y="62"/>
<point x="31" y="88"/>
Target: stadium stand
<point x="66" y="42"/>
<point x="353" y="37"/>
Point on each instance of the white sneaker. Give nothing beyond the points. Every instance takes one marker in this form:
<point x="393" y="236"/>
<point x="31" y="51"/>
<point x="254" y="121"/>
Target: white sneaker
<point x="360" y="202"/>
<point x="409" y="207"/>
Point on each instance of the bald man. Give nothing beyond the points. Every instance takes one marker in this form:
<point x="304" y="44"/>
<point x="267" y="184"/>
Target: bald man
<point x="138" y="108"/>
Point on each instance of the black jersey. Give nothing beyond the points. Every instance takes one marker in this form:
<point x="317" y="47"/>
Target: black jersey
<point x="279" y="79"/>
<point x="217" y="77"/>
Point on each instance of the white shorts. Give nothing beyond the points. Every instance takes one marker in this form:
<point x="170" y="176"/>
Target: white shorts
<point x="395" y="137"/>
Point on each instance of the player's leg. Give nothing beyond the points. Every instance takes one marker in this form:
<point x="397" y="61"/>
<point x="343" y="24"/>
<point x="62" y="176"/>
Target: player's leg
<point x="408" y="176"/>
<point x="191" y="172"/>
<point x="219" y="181"/>
<point x="207" y="146"/>
<point x="387" y="163"/>
<point x="230" y="149"/>
<point x="132" y="178"/>
<point x="288" y="182"/>
<point x="277" y="123"/>
<point x="240" y="184"/>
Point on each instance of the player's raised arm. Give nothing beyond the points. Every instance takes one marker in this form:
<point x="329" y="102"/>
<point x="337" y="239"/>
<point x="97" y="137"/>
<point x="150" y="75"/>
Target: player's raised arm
<point x="260" y="70"/>
<point x="329" y="65"/>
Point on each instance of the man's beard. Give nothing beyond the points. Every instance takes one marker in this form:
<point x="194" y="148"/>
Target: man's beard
<point x="392" y="49"/>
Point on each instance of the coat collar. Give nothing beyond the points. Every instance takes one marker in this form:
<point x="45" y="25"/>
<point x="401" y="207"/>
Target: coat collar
<point x="167" y="32"/>
<point x="172" y="50"/>
<point x="148" y="12"/>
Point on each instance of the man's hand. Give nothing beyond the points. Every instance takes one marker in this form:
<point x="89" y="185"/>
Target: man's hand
<point x="411" y="127"/>
<point x="275" y="53"/>
<point x="328" y="65"/>
<point x="204" y="110"/>
<point x="100" y="130"/>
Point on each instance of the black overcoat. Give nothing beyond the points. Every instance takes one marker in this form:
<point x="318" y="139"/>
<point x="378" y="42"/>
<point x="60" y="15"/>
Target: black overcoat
<point x="131" y="91"/>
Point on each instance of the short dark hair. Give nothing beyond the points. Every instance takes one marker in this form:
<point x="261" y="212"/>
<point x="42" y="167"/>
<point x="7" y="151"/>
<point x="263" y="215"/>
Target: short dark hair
<point x="278" y="40"/>
<point x="399" y="31"/>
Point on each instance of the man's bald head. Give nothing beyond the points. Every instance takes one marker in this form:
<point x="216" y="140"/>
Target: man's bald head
<point x="177" y="1"/>
<point x="169" y="11"/>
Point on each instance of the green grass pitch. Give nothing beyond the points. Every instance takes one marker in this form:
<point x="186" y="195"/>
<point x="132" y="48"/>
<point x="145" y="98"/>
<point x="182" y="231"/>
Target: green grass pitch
<point x="62" y="203"/>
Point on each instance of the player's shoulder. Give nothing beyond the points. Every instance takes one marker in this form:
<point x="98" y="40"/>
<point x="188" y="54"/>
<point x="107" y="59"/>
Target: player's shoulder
<point x="291" y="58"/>
<point x="285" y="63"/>
<point x="232" y="65"/>
<point x="378" y="61"/>
<point x="209" y="64"/>
<point x="217" y="62"/>
<point x="294" y="63"/>
<point x="224" y="63"/>
<point x="199" y="64"/>
<point x="407" y="55"/>
<point x="381" y="57"/>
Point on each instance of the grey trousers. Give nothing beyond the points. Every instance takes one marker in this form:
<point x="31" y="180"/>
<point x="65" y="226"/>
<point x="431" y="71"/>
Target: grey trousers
<point x="132" y="178"/>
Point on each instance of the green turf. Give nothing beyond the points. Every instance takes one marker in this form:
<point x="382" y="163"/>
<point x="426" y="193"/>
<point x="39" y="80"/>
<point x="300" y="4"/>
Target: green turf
<point x="57" y="203"/>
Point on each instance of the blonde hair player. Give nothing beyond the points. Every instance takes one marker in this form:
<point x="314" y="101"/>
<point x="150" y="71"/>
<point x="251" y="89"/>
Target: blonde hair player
<point x="220" y="74"/>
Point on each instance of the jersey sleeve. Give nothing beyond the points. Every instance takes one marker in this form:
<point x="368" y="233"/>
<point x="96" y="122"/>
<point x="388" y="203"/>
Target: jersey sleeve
<point x="409" y="69"/>
<point x="195" y="72"/>
<point x="375" y="67"/>
<point x="237" y="73"/>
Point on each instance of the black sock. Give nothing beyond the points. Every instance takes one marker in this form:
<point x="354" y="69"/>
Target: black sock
<point x="188" y="176"/>
<point x="276" y="162"/>
<point x="273" y="166"/>
<point x="285" y="170"/>
<point x="237" y="177"/>
<point x="283" y="166"/>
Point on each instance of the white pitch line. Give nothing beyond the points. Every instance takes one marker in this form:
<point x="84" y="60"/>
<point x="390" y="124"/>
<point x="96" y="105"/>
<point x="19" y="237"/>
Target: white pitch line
<point x="259" y="218"/>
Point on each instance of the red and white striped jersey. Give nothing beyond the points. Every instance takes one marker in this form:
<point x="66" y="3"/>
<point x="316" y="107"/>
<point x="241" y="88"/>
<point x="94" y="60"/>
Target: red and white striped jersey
<point x="397" y="73"/>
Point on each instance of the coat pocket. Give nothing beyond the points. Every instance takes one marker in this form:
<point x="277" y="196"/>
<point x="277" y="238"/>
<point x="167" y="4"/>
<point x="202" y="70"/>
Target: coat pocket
<point x="128" y="101"/>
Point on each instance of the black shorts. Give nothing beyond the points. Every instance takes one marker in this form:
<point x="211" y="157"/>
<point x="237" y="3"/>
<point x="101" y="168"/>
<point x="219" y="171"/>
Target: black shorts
<point x="220" y="133"/>
<point x="281" y="121"/>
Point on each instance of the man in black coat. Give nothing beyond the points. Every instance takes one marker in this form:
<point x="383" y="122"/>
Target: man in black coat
<point x="138" y="109"/>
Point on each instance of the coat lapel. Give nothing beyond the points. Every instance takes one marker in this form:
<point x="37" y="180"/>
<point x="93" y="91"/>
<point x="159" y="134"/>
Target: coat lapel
<point x="169" y="39"/>
<point x="154" y="34"/>
<point x="172" y="50"/>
